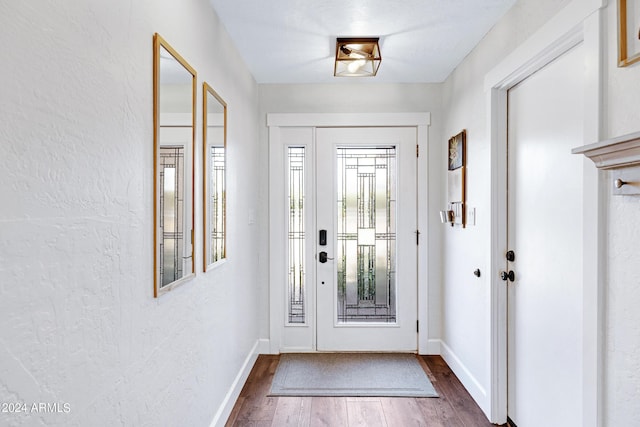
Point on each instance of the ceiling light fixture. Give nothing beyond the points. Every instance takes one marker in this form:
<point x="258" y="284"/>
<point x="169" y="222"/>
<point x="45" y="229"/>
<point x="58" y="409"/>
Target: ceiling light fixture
<point x="357" y="57"/>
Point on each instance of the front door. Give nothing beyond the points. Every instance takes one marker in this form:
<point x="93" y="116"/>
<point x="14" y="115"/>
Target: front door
<point x="365" y="240"/>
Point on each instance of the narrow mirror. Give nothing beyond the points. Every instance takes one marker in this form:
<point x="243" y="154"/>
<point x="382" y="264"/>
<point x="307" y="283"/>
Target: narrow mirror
<point x="214" y="166"/>
<point x="174" y="97"/>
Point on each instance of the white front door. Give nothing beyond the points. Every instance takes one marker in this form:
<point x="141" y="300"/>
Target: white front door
<point x="545" y="223"/>
<point x="366" y="267"/>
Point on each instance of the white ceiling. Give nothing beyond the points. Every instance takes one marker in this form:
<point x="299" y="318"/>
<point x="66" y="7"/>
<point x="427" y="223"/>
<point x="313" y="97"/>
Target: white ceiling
<point x="293" y="41"/>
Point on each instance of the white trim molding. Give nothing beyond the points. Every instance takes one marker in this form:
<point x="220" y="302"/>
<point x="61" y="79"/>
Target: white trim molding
<point x="614" y="152"/>
<point x="264" y="347"/>
<point x="579" y="22"/>
<point x="471" y="383"/>
<point x="347" y="119"/>
<point x="225" y="408"/>
<point x="433" y="347"/>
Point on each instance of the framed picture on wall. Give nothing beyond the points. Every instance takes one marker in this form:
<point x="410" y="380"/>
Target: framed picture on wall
<point x="456" y="192"/>
<point x="628" y="32"/>
<point x="456" y="151"/>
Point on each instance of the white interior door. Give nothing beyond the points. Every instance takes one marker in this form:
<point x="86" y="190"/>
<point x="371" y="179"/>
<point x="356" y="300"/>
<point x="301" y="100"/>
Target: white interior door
<point x="545" y="233"/>
<point x="367" y="268"/>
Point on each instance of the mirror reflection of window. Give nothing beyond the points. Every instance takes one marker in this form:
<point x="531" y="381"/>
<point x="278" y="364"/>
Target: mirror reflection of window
<point x="215" y="197"/>
<point x="174" y="109"/>
<point x="171" y="213"/>
<point x="217" y="202"/>
<point x="171" y="241"/>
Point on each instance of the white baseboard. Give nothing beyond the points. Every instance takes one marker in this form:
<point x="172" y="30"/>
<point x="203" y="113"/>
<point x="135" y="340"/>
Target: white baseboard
<point x="433" y="347"/>
<point x="221" y="416"/>
<point x="264" y="346"/>
<point x="465" y="376"/>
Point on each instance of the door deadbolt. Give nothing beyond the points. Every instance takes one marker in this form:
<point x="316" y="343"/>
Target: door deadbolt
<point x="510" y="276"/>
<point x="511" y="256"/>
<point x="322" y="237"/>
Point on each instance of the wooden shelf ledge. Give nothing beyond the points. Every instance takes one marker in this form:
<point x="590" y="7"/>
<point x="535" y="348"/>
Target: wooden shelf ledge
<point x="618" y="152"/>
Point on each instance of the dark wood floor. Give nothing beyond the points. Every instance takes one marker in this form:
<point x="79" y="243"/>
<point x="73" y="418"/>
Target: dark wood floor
<point x="454" y="407"/>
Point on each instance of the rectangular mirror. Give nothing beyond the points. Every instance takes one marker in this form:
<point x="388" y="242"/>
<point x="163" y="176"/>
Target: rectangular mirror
<point x="174" y="105"/>
<point x="214" y="135"/>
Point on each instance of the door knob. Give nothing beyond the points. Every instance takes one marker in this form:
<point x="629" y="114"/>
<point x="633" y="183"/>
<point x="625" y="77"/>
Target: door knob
<point x="322" y="257"/>
<point x="510" y="276"/>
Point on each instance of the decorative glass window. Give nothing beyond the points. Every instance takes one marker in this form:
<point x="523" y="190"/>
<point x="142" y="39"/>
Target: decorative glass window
<point x="296" y="235"/>
<point x="366" y="246"/>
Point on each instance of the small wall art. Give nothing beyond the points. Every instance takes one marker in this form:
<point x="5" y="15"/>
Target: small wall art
<point x="456" y="179"/>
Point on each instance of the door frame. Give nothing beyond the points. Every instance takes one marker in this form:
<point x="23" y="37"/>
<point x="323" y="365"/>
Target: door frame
<point x="579" y="22"/>
<point x="276" y="123"/>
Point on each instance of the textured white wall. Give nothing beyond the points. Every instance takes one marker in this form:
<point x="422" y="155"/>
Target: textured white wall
<point x="365" y="98"/>
<point x="622" y="328"/>
<point x="465" y="298"/>
<point x="78" y="321"/>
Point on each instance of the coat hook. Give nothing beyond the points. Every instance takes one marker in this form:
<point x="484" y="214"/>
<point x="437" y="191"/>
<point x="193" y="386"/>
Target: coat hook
<point x="619" y="183"/>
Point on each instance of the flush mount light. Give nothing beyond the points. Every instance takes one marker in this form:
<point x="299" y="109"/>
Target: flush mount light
<point x="357" y="57"/>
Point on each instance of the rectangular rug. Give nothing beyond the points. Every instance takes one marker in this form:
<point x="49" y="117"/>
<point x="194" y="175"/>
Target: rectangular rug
<point x="351" y="374"/>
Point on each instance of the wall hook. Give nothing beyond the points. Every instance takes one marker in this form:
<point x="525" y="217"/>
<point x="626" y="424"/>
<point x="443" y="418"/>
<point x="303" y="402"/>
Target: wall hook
<point x="619" y="183"/>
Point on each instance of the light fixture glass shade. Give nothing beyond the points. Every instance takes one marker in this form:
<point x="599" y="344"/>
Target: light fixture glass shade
<point x="357" y="57"/>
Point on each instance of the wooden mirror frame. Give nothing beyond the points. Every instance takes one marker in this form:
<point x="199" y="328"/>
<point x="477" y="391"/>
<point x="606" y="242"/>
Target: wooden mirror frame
<point x="628" y="27"/>
<point x="189" y="187"/>
<point x="208" y="263"/>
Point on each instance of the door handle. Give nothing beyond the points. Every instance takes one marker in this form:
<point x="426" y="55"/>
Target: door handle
<point x="322" y="257"/>
<point x="510" y="276"/>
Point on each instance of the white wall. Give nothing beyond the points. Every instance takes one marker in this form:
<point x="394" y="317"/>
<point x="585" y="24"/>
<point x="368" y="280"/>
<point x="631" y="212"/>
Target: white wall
<point x="466" y="299"/>
<point x="465" y="316"/>
<point x="622" y="294"/>
<point x="364" y="98"/>
<point x="78" y="322"/>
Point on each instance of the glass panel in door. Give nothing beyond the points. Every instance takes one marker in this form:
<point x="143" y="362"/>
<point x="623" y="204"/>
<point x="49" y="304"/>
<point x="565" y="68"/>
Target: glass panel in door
<point x="366" y="234"/>
<point x="296" y="267"/>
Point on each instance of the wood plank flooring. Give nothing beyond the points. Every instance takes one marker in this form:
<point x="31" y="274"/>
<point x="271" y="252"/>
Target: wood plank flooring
<point x="454" y="407"/>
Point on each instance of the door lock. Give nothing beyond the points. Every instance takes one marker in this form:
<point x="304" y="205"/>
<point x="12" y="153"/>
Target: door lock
<point x="322" y="257"/>
<point x="511" y="256"/>
<point x="322" y="238"/>
<point x="510" y="276"/>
